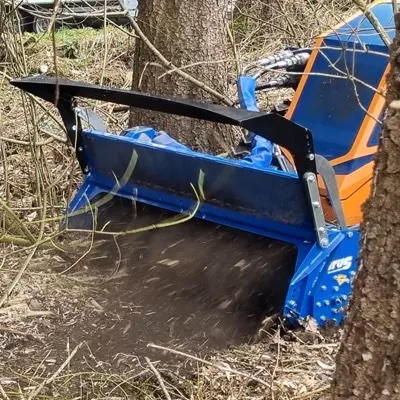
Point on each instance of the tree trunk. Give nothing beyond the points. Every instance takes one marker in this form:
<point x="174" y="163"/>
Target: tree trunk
<point x="368" y="362"/>
<point x="185" y="32"/>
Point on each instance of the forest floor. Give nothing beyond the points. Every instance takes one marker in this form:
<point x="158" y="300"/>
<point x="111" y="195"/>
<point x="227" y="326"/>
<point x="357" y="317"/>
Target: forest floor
<point x="171" y="313"/>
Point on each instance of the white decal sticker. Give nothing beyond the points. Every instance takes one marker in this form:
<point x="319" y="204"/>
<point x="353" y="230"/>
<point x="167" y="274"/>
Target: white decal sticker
<point x="342" y="264"/>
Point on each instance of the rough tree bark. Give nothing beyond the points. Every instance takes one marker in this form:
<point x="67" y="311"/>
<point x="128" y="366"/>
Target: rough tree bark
<point x="368" y="362"/>
<point x="185" y="32"/>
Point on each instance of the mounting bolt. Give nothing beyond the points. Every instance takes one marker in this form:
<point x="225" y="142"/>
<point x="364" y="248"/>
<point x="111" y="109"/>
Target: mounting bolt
<point x="292" y="303"/>
<point x="327" y="302"/>
<point x="310" y="178"/>
<point x="318" y="304"/>
<point x="86" y="169"/>
<point x="344" y="297"/>
<point x="323" y="318"/>
<point x="316" y="204"/>
<point x="321" y="229"/>
<point x="80" y="148"/>
<point x="349" y="234"/>
<point x="352" y="273"/>
<point x="324" y="242"/>
<point x="336" y="288"/>
<point x="311" y="157"/>
<point x="74" y="127"/>
<point x="323" y="287"/>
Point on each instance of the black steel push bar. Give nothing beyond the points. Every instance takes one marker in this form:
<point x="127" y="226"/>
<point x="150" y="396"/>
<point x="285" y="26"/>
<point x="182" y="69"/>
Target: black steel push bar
<point x="272" y="126"/>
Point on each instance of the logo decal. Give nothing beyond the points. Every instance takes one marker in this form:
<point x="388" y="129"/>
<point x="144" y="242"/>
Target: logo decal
<point x="342" y="264"/>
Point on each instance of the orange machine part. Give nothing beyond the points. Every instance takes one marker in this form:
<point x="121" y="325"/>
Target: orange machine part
<point x="354" y="189"/>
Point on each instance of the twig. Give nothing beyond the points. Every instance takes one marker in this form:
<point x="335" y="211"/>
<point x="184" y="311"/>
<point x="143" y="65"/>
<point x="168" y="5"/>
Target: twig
<point x="15" y="218"/>
<point x="234" y="49"/>
<point x="15" y="332"/>
<point x="3" y="393"/>
<point x="395" y="7"/>
<point x="309" y="394"/>
<point x="103" y="69"/>
<point x="374" y="21"/>
<point x="54" y="376"/>
<point x="168" y="64"/>
<point x="194" y="64"/>
<point x="278" y="333"/>
<point x="18" y="277"/>
<point x="175" y="220"/>
<point x="219" y="367"/>
<point x="159" y="378"/>
<point x="18" y="241"/>
<point x="25" y="143"/>
<point x="52" y="28"/>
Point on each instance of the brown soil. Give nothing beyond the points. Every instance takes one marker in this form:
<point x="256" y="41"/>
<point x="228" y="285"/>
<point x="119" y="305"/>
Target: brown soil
<point x="194" y="286"/>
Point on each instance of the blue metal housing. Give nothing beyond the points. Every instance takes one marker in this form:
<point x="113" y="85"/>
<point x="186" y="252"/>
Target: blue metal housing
<point x="342" y="84"/>
<point x="258" y="199"/>
<point x="252" y="194"/>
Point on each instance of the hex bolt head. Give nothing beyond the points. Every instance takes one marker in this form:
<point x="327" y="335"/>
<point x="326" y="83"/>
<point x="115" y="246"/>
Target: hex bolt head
<point x="336" y="288"/>
<point x="292" y="303"/>
<point x="318" y="304"/>
<point x="327" y="302"/>
<point x="323" y="287"/>
<point x="349" y="234"/>
<point x="324" y="242"/>
<point x="310" y="177"/>
<point x="311" y="157"/>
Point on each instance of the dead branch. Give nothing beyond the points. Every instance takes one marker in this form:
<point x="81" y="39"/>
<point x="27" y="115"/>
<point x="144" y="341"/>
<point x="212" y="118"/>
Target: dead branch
<point x="54" y="376"/>
<point x="15" y="218"/>
<point x="10" y="289"/>
<point x="374" y="21"/>
<point x="219" y="367"/>
<point x="159" y="378"/>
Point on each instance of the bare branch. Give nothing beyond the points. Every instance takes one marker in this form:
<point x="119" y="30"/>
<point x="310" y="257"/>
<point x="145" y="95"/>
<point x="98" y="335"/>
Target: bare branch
<point x="168" y="64"/>
<point x="374" y="21"/>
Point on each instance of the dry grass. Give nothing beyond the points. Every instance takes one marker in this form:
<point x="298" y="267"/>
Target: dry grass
<point x="276" y="369"/>
<point x="40" y="175"/>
